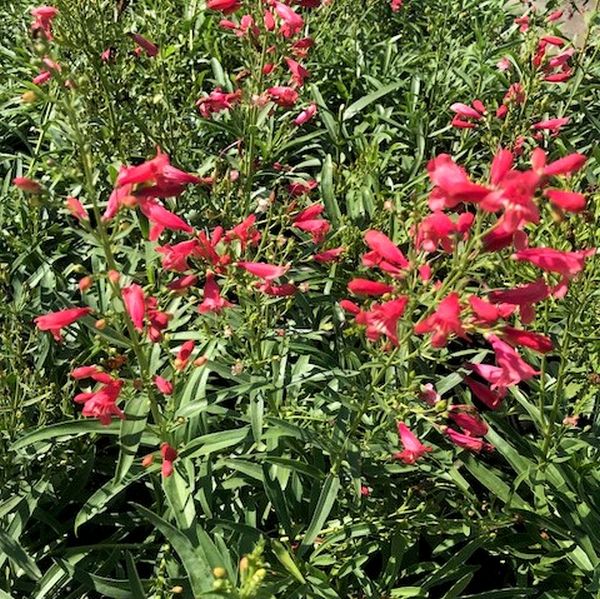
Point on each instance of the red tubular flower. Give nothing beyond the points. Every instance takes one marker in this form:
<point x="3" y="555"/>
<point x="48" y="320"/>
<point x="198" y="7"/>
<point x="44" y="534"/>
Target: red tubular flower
<point x="292" y="22"/>
<point x="267" y="272"/>
<point x="169" y="455"/>
<point x="175" y="257"/>
<point x="157" y="320"/>
<point x="382" y="319"/>
<point x="492" y="399"/>
<point x="451" y="184"/>
<point x="183" y="355"/>
<point x="163" y="385"/>
<point x="42" y="24"/>
<point x="145" y="44"/>
<point x="567" y="264"/>
<point x="350" y="306"/>
<point x="135" y="304"/>
<point x="213" y="302"/>
<point x="524" y="296"/>
<point x="553" y="125"/>
<point x="27" y="184"/>
<point x="301" y="48"/>
<point x="384" y="254"/>
<point x="91" y="372"/>
<point x="535" y="341"/>
<point x="443" y="322"/>
<point x="467" y="442"/>
<point x="306" y="115"/>
<point x="101" y="404"/>
<point x="283" y="290"/>
<point x="224" y="6"/>
<point x="330" y="255"/>
<point x="565" y="166"/>
<point x="300" y="188"/>
<point x="75" y="207"/>
<point x="413" y="448"/>
<point x="366" y="287"/>
<point x="183" y="283"/>
<point x="436" y="230"/>
<point x="554" y="16"/>
<point x="514" y="368"/>
<point x="161" y="218"/>
<point x="299" y="73"/>
<point x="218" y="101"/>
<point x="396" y="5"/>
<point x="245" y="232"/>
<point x="569" y="201"/>
<point x="488" y="313"/>
<point x="55" y="321"/>
<point x="157" y="176"/>
<point x="307" y="221"/>
<point x="283" y="96"/>
<point x="471" y="424"/>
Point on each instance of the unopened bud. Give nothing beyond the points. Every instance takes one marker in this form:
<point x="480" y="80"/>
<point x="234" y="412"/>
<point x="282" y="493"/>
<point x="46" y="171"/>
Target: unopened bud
<point x="219" y="572"/>
<point x="201" y="361"/>
<point x="147" y="460"/>
<point x="100" y="324"/>
<point x="85" y="283"/>
<point x="389" y="206"/>
<point x="244" y="564"/>
<point x="113" y="276"/>
<point x="28" y="97"/>
<point x="177" y="590"/>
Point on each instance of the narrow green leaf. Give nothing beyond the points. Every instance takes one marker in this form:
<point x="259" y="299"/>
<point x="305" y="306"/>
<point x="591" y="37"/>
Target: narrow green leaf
<point x="286" y="560"/>
<point x="193" y="559"/>
<point x="135" y="584"/>
<point x="361" y="104"/>
<point x="130" y="434"/>
<point x="72" y="428"/>
<point x="328" y="192"/>
<point x="327" y="498"/>
<point x="18" y="555"/>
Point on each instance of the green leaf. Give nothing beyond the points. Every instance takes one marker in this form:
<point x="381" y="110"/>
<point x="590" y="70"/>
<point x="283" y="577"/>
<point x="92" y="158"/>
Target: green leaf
<point x="212" y="442"/>
<point x="130" y="434"/>
<point x="72" y="428"/>
<point x="135" y="584"/>
<point x="193" y="559"/>
<point x="18" y="556"/>
<point x="327" y="498"/>
<point x="286" y="560"/>
<point x="361" y="104"/>
<point x="328" y="192"/>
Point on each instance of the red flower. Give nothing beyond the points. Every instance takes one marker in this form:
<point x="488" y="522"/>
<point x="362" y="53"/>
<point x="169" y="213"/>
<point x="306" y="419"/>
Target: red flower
<point x="451" y="184"/>
<point x="157" y="176"/>
<point x="292" y="22"/>
<point x="224" y="6"/>
<point x="553" y="125"/>
<point x="213" y="302"/>
<point x="161" y="218"/>
<point x="265" y="271"/>
<point x="306" y="115"/>
<point x="471" y="424"/>
<point x="566" y="165"/>
<point x="382" y="319"/>
<point x="413" y="448"/>
<point x="55" y="321"/>
<point x="158" y="320"/>
<point x="299" y="73"/>
<point x="101" y="404"/>
<point x="146" y="45"/>
<point x="443" y="322"/>
<point x="467" y="442"/>
<point x="182" y="283"/>
<point x="524" y="296"/>
<point x="307" y="221"/>
<point x="490" y="398"/>
<point x="135" y="304"/>
<point x="330" y="255"/>
<point x="175" y="257"/>
<point x="91" y="372"/>
<point x="245" y="232"/>
<point x="535" y="341"/>
<point x="359" y="286"/>
<point x="569" y="201"/>
<point x="75" y="207"/>
<point x="163" y="385"/>
<point x="283" y="96"/>
<point x="27" y="184"/>
<point x="43" y="17"/>
<point x="488" y="313"/>
<point x="567" y="264"/>
<point x="183" y="355"/>
<point x="217" y="101"/>
<point x="169" y="455"/>
<point x="514" y="368"/>
<point x="284" y="290"/>
<point x="384" y="254"/>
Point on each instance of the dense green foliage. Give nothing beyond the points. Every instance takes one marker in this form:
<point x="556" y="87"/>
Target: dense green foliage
<point x="294" y="411"/>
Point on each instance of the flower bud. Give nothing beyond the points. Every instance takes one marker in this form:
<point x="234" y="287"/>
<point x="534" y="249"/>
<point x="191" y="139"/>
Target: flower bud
<point x="201" y="361"/>
<point x="219" y="572"/>
<point x="85" y="283"/>
<point x="147" y="460"/>
<point x="100" y="324"/>
<point x="113" y="276"/>
<point x="28" y="97"/>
